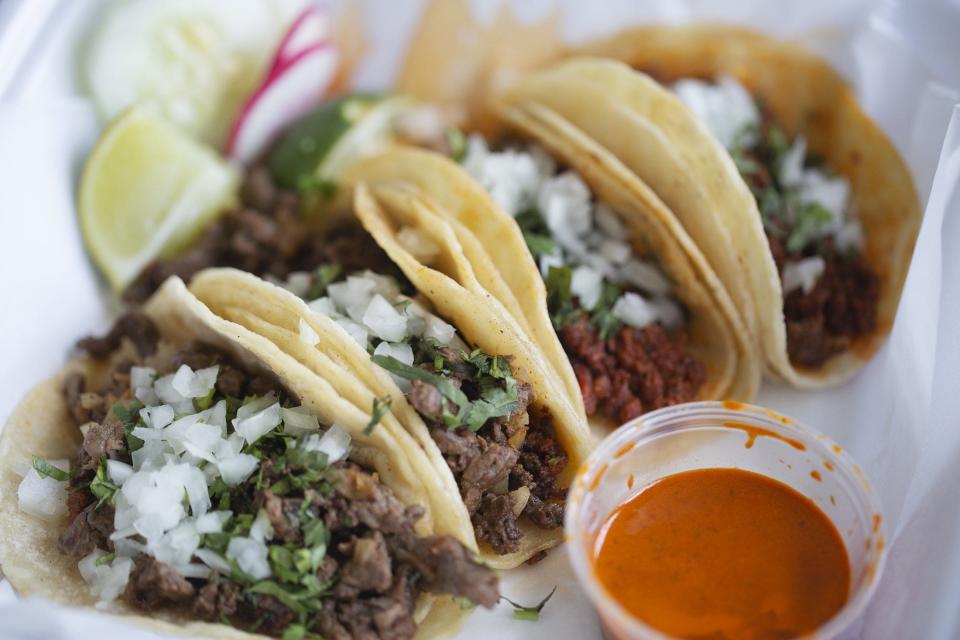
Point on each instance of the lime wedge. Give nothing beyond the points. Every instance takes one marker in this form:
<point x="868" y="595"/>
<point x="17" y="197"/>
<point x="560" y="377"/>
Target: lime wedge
<point x="147" y="190"/>
<point x="319" y="145"/>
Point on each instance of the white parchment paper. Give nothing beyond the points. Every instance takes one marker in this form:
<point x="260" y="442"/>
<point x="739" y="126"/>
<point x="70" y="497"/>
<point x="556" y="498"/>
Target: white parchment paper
<point x="899" y="417"/>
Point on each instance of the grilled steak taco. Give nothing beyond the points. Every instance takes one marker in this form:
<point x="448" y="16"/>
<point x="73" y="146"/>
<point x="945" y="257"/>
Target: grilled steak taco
<point x="189" y="474"/>
<point x="797" y="199"/>
<point x="443" y="358"/>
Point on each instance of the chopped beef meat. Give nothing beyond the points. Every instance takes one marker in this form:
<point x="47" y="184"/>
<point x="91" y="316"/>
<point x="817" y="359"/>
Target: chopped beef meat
<point x="268" y="237"/>
<point x="841" y="307"/>
<point x="368" y="568"/>
<point x="154" y="583"/>
<point x="427" y="400"/>
<point x="445" y="566"/>
<point x="458" y="447"/>
<point x="542" y="460"/>
<point x="269" y="614"/>
<point x="284" y="516"/>
<point x="636" y="370"/>
<point x="546" y="515"/>
<point x="360" y="498"/>
<point x="490" y="467"/>
<point x="90" y="529"/>
<point x="133" y="325"/>
<point x="101" y="439"/>
<point x="83" y="407"/>
<point x="230" y="382"/>
<point x="77" y="501"/>
<point x="495" y="524"/>
<point x="217" y="601"/>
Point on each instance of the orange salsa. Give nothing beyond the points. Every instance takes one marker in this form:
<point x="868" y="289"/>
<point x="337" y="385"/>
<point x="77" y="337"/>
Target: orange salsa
<point x="723" y="554"/>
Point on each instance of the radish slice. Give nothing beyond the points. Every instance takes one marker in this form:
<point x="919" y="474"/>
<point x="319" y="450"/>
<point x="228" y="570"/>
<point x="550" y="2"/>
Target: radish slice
<point x="312" y="27"/>
<point x="285" y="96"/>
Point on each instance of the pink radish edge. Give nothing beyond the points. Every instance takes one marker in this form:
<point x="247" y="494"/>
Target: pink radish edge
<point x="263" y="88"/>
<point x="282" y="57"/>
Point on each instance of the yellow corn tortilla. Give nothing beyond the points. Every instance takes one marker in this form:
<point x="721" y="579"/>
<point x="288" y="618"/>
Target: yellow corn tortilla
<point x="40" y="425"/>
<point x="451" y="285"/>
<point x="703" y="187"/>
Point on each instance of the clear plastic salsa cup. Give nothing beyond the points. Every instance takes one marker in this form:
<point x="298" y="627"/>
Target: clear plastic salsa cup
<point x="703" y="435"/>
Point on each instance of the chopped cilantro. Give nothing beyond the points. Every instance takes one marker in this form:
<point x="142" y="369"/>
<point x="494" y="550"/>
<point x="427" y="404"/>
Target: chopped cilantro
<point x="457" y="142"/>
<point x="450" y="391"/>
<point x="309" y="184"/>
<point x="323" y="277"/>
<point x="101" y="487"/>
<point x="540" y="245"/>
<point x="810" y="219"/>
<point x="204" y="403"/>
<point x="46" y="470"/>
<point x="380" y="408"/>
<point x="563" y="311"/>
<point x="105" y="559"/>
<point x="602" y="314"/>
<point x="529" y="613"/>
<point x="464" y="603"/>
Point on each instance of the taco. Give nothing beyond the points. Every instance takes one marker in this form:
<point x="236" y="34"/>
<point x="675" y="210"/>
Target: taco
<point x="190" y="475"/>
<point x="589" y="254"/>
<point x="797" y="199"/>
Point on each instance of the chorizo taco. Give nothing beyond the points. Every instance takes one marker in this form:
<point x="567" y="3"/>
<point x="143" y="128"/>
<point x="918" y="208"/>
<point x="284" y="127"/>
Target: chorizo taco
<point x="588" y="254"/>
<point x="795" y="196"/>
<point x="188" y="474"/>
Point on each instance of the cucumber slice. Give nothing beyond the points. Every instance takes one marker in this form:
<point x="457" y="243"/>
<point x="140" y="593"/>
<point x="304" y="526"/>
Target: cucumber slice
<point x="192" y="62"/>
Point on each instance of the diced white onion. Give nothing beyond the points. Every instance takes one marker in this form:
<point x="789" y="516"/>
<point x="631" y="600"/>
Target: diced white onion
<point x="802" y="274"/>
<point x="193" y="570"/>
<point x="421" y="247"/>
<point x="564" y="203"/>
<point x="335" y="442"/>
<point x="176" y="546"/>
<point x="512" y="178"/>
<point x="669" y="313"/>
<point x="355" y="330"/>
<point x="645" y="276"/>
<point x="212" y="521"/>
<point x="442" y="332"/>
<point x="519" y="496"/>
<point x="323" y="306"/>
<point x="238" y="468"/>
<point x="44" y="498"/>
<point x="384" y="320"/>
<point x="213" y="560"/>
<point x="633" y="310"/>
<point x="830" y="192"/>
<point x="725" y="107"/>
<point x="587" y="284"/>
<point x="157" y="417"/>
<point x="298" y="421"/>
<point x="609" y="222"/>
<point x="402" y="352"/>
<point x="298" y="283"/>
<point x="251" y="556"/>
<point x="261" y="530"/>
<point x="108" y="580"/>
<point x="194" y="384"/>
<point x="791" y="166"/>
<point x="255" y="426"/>
<point x="352" y="295"/>
<point x="307" y="334"/>
<point x="118" y="471"/>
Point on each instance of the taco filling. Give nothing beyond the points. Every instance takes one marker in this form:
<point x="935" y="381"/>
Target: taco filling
<point x="201" y="488"/>
<point x="615" y="313"/>
<point x="830" y="292"/>
<point x="503" y="452"/>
